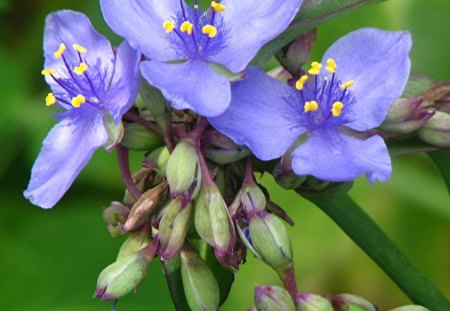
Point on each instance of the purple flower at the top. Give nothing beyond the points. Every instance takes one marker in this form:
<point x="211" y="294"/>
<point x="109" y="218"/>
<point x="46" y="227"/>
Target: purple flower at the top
<point x="187" y="47"/>
<point x="349" y="92"/>
<point x="92" y="87"/>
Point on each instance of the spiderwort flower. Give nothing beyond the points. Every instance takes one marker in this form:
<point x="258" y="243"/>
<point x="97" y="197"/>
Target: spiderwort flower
<point x="93" y="87"/>
<point x="363" y="72"/>
<point x="184" y="43"/>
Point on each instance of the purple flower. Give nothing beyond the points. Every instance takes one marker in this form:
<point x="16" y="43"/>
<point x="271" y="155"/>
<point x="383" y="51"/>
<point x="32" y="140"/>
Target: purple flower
<point x="362" y="73"/>
<point x="188" y="47"/>
<point x="92" y="87"/>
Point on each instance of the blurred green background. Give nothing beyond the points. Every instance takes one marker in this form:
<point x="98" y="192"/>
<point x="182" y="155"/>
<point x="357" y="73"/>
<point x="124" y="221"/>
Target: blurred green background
<point x="49" y="260"/>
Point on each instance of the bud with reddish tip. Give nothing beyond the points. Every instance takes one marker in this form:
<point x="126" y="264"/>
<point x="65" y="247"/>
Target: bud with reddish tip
<point x="345" y="302"/>
<point x="115" y="216"/>
<point x="436" y="131"/>
<point x="273" y="298"/>
<point x="311" y="302"/>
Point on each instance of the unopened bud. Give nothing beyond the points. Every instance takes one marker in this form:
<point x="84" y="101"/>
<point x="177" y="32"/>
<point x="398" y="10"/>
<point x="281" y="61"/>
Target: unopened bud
<point x="273" y="298"/>
<point x="212" y="221"/>
<point x="134" y="243"/>
<point x="270" y="239"/>
<point x="155" y="103"/>
<point x="200" y="285"/>
<point x="173" y="227"/>
<point x="157" y="160"/>
<point x="253" y="198"/>
<point x="139" y="138"/>
<point x="183" y="170"/>
<point x="221" y="149"/>
<point x="115" y="216"/>
<point x="410" y="308"/>
<point x="436" y="131"/>
<point x="311" y="302"/>
<point x="121" y="277"/>
<point x="345" y="302"/>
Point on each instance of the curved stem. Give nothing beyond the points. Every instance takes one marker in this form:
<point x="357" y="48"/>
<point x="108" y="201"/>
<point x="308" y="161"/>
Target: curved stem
<point x="122" y="154"/>
<point x="135" y="118"/>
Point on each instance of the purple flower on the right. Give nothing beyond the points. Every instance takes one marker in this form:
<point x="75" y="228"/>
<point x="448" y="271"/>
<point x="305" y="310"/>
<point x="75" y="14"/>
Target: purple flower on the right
<point x="349" y="92"/>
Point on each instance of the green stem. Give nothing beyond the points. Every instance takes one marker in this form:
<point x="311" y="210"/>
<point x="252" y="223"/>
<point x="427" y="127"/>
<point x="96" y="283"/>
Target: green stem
<point x="374" y="242"/>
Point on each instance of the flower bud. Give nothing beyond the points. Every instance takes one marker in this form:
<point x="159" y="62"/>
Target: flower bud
<point x="158" y="159"/>
<point x="200" y="285"/>
<point x="212" y="221"/>
<point x="253" y="198"/>
<point x="273" y="298"/>
<point x="121" y="277"/>
<point x="311" y="302"/>
<point x="270" y="239"/>
<point x="221" y="149"/>
<point x="410" y="308"/>
<point x="155" y="103"/>
<point x="345" y="302"/>
<point x="183" y="170"/>
<point x="139" y="138"/>
<point x="173" y="227"/>
<point x="436" y="131"/>
<point x="115" y="216"/>
<point x="134" y="243"/>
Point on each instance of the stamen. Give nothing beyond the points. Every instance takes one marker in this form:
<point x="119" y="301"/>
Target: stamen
<point x="209" y="30"/>
<point x="217" y="6"/>
<point x="331" y="65"/>
<point x="60" y="51"/>
<point x="80" y="69"/>
<point x="187" y="27"/>
<point x="301" y="82"/>
<point x="79" y="48"/>
<point x="78" y="100"/>
<point x="337" y="109"/>
<point x="50" y="99"/>
<point x="168" y="26"/>
<point x="47" y="72"/>
<point x="347" y="85"/>
<point x="315" y="68"/>
<point x="311" y="106"/>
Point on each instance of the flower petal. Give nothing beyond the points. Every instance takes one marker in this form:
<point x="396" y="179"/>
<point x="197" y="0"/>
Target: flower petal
<point x="259" y="115"/>
<point x="190" y="85"/>
<point x="336" y="157"/>
<point x="251" y="24"/>
<point x="70" y="27"/>
<point x="125" y="82"/>
<point x="65" y="151"/>
<point x="378" y="62"/>
<point x="140" y="22"/>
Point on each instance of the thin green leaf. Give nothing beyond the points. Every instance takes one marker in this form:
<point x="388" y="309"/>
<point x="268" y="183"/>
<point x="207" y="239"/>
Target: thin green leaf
<point x="442" y="160"/>
<point x="374" y="242"/>
<point x="312" y="14"/>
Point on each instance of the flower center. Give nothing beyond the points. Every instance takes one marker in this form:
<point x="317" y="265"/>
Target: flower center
<point x="77" y="87"/>
<point x="325" y="100"/>
<point x="196" y="34"/>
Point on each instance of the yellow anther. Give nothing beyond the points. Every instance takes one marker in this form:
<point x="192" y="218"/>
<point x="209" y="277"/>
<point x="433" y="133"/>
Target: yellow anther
<point x="315" y="68"/>
<point x="301" y="82"/>
<point x="348" y="84"/>
<point x="50" y="99"/>
<point x="311" y="106"/>
<point x="78" y="100"/>
<point x="60" y="51"/>
<point x="80" y="69"/>
<point x="331" y="65"/>
<point x="79" y="48"/>
<point x="217" y="6"/>
<point x="196" y="6"/>
<point x="337" y="109"/>
<point x="187" y="27"/>
<point x="168" y="26"/>
<point x="47" y="72"/>
<point x="209" y="30"/>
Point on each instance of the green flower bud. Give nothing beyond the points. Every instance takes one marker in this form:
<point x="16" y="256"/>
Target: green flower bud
<point x="173" y="227"/>
<point x="273" y="298"/>
<point x="155" y="103"/>
<point x="182" y="169"/>
<point x="134" y="243"/>
<point x="410" y="308"/>
<point x="347" y="302"/>
<point x="221" y="149"/>
<point x="253" y="198"/>
<point x="311" y="302"/>
<point x="115" y="214"/>
<point x="212" y="221"/>
<point x="138" y="137"/>
<point x="121" y="277"/>
<point x="158" y="159"/>
<point x="200" y="285"/>
<point x="271" y="241"/>
<point x="436" y="131"/>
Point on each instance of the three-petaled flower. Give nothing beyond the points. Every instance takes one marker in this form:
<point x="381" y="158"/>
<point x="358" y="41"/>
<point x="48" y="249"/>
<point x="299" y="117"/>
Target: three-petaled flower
<point x="93" y="87"/>
<point x="187" y="47"/>
<point x="349" y="92"/>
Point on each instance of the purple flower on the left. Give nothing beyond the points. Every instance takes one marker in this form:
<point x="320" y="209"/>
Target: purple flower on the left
<point x="92" y="87"/>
